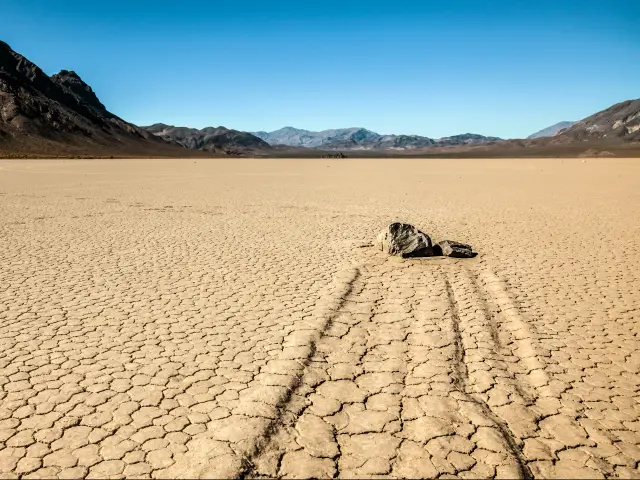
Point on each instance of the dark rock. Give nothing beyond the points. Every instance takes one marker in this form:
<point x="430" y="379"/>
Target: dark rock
<point x="404" y="240"/>
<point x="449" y="248"/>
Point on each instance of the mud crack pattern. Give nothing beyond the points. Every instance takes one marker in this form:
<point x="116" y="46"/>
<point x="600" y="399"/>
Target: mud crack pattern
<point x="163" y="319"/>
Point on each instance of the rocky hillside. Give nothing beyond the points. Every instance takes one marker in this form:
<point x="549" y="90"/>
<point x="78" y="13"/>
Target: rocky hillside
<point x="211" y="139"/>
<point x="362" y="139"/>
<point x="61" y="115"/>
<point x="619" y="123"/>
<point x="550" y="131"/>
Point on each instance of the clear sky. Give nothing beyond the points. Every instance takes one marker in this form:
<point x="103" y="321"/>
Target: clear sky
<point x="433" y="68"/>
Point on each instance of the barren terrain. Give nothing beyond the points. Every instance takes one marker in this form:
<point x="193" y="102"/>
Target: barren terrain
<point x="228" y="317"/>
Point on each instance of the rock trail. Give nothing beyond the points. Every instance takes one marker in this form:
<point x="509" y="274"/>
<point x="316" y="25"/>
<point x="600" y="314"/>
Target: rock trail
<point x="391" y="371"/>
<point x="421" y="362"/>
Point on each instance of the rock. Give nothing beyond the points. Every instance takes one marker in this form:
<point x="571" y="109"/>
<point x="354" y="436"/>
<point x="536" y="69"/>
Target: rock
<point x="449" y="248"/>
<point x="404" y="240"/>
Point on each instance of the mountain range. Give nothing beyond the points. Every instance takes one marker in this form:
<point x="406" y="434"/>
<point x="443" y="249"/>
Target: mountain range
<point x="43" y="115"/>
<point x="362" y="139"/>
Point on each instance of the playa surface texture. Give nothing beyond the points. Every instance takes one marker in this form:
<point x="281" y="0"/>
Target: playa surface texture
<point x="222" y="318"/>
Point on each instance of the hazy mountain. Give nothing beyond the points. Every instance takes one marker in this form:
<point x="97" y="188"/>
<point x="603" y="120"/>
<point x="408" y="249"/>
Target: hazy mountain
<point x="362" y="139"/>
<point x="211" y="139"/>
<point x="62" y="115"/>
<point x="551" y="131"/>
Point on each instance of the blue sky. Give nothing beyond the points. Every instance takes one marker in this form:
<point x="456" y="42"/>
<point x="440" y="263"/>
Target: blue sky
<point x="434" y="68"/>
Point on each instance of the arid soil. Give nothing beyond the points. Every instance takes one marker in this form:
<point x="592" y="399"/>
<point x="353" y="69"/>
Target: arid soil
<point x="223" y="318"/>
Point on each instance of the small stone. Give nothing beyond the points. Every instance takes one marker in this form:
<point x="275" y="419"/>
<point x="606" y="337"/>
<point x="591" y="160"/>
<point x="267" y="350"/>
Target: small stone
<point x="449" y="248"/>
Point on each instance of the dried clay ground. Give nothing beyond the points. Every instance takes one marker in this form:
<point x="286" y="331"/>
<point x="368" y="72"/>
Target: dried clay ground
<point x="228" y="318"/>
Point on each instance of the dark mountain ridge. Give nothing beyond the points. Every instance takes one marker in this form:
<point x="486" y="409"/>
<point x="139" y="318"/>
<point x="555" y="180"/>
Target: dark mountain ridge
<point x="211" y="139"/>
<point x="61" y="113"/>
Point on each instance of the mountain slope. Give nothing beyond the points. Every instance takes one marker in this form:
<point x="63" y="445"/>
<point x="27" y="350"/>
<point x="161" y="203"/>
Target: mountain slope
<point x="550" y="131"/>
<point x="211" y="139"/>
<point x="62" y="115"/>
<point x="618" y="123"/>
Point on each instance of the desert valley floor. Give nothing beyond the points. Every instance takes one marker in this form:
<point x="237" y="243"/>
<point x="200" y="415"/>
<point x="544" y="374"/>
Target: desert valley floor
<point x="224" y="318"/>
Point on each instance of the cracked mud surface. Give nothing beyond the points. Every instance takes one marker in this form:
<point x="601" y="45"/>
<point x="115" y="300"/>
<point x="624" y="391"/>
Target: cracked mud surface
<point x="226" y="318"/>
